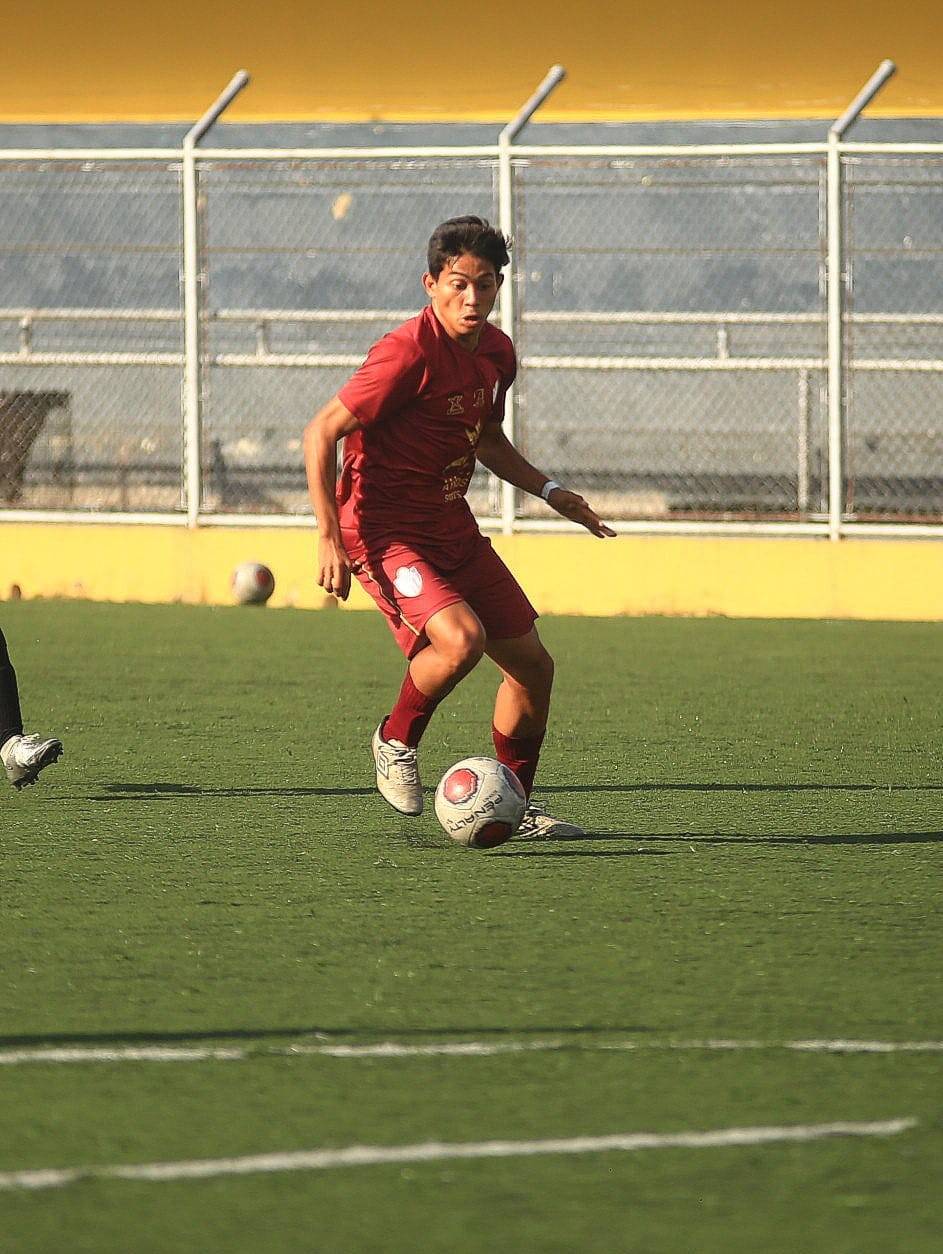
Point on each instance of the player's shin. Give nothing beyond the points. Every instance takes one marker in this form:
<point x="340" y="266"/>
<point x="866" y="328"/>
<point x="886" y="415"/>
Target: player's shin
<point x="394" y="748"/>
<point x="520" y="753"/>
<point x="11" y="720"/>
<point x="410" y="715"/>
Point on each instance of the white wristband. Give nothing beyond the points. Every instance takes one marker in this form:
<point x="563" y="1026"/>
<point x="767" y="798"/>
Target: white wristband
<point x="548" y="487"/>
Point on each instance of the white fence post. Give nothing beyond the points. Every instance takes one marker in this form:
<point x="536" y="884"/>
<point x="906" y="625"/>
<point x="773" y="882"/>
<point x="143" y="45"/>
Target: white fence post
<point x="836" y="296"/>
<point x="836" y="365"/>
<point x="507" y="298"/>
<point x="192" y="365"/>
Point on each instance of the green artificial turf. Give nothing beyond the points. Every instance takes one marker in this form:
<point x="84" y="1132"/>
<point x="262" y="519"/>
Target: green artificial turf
<point x="209" y="865"/>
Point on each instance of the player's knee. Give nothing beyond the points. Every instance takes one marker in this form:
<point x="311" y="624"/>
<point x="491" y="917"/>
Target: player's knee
<point x="465" y="645"/>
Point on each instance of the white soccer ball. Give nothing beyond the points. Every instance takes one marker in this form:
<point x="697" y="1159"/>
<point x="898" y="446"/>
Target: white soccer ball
<point x="480" y="802"/>
<point x="252" y="583"/>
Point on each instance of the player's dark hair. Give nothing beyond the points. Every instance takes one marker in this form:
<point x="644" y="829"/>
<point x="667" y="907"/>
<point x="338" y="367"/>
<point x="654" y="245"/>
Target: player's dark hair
<point x="467" y="235"/>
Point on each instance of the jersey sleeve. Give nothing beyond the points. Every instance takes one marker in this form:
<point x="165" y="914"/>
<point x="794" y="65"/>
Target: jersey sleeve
<point x="389" y="380"/>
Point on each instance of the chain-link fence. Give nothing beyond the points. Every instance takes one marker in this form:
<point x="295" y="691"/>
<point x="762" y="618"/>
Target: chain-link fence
<point x="673" y="329"/>
<point x="90" y="335"/>
<point x="894" y="414"/>
<point x="670" y="312"/>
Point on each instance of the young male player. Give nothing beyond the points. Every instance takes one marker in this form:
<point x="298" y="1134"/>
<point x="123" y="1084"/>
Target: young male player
<point x="427" y="402"/>
<point x="23" y="757"/>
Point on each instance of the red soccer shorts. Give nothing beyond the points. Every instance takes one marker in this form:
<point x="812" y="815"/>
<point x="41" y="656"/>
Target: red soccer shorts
<point x="409" y="589"/>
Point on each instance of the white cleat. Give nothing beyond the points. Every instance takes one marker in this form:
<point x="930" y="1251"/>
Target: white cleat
<point x="24" y="757"/>
<point x="397" y="774"/>
<point x="537" y="824"/>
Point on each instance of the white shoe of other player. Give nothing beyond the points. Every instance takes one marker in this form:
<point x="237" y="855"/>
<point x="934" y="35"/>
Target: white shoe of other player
<point x="24" y="757"/>
<point x="537" y="824"/>
<point x="397" y="774"/>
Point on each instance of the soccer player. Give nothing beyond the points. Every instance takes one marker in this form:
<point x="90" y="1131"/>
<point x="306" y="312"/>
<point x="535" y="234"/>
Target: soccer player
<point x="23" y="757"/>
<point x="427" y="402"/>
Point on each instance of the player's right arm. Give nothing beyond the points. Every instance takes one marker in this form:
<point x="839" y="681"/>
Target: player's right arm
<point x="326" y="428"/>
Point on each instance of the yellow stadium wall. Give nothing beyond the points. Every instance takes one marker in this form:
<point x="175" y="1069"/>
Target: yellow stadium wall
<point x="70" y="60"/>
<point x="737" y="577"/>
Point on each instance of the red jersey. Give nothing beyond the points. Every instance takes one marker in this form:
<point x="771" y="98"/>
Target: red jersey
<point x="422" y="400"/>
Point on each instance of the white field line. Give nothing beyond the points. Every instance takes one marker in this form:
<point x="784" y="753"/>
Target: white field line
<point x="459" y="1049"/>
<point x="391" y="1049"/>
<point x="435" y="1151"/>
<point x="454" y="1049"/>
<point x="136" y="1053"/>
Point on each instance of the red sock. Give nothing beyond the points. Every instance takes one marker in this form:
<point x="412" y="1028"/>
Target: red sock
<point x="520" y="753"/>
<point x="410" y="716"/>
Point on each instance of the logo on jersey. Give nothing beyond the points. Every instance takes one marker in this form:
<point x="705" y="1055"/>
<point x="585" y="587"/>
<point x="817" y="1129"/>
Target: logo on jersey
<point x="407" y="581"/>
<point x="456" y="404"/>
<point x="479" y="398"/>
<point x="472" y="434"/>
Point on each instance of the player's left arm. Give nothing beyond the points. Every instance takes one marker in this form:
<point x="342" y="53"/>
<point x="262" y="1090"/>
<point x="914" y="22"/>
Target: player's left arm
<point x="497" y="452"/>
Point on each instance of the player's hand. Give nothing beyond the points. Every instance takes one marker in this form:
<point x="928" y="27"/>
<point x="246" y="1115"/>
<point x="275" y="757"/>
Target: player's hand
<point x="333" y="568"/>
<point x="571" y="505"/>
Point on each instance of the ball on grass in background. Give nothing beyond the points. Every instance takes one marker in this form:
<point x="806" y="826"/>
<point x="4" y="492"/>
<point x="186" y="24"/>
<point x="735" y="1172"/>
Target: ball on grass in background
<point x="252" y="583"/>
<point x="480" y="803"/>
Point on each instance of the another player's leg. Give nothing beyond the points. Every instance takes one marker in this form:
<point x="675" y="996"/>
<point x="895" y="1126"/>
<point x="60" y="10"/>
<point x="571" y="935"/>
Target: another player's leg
<point x="456" y="641"/>
<point x="521" y="711"/>
<point x="23" y="756"/>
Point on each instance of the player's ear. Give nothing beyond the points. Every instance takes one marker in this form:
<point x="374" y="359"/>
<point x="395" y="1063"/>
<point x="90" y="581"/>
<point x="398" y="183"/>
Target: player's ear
<point x="428" y="282"/>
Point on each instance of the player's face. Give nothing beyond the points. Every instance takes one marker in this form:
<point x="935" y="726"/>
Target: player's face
<point x="463" y="295"/>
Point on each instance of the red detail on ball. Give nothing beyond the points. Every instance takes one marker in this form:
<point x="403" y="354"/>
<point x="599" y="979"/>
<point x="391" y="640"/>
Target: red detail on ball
<point x="493" y="834"/>
<point x="264" y="577"/>
<point x="515" y="783"/>
<point x="460" y="786"/>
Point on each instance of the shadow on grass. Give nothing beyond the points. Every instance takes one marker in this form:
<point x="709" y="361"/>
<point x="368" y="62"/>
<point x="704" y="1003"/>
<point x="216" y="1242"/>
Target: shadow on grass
<point x="166" y="790"/>
<point x="326" y="1035"/>
<point x="158" y="789"/>
<point x="863" y="838"/>
<point x="147" y="792"/>
<point x="774" y="788"/>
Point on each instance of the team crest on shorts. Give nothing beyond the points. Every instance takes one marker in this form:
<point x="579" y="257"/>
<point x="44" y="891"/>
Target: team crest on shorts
<point x="408" y="581"/>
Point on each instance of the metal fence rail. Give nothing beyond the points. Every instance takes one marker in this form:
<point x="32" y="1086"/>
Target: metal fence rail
<point x="728" y="338"/>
